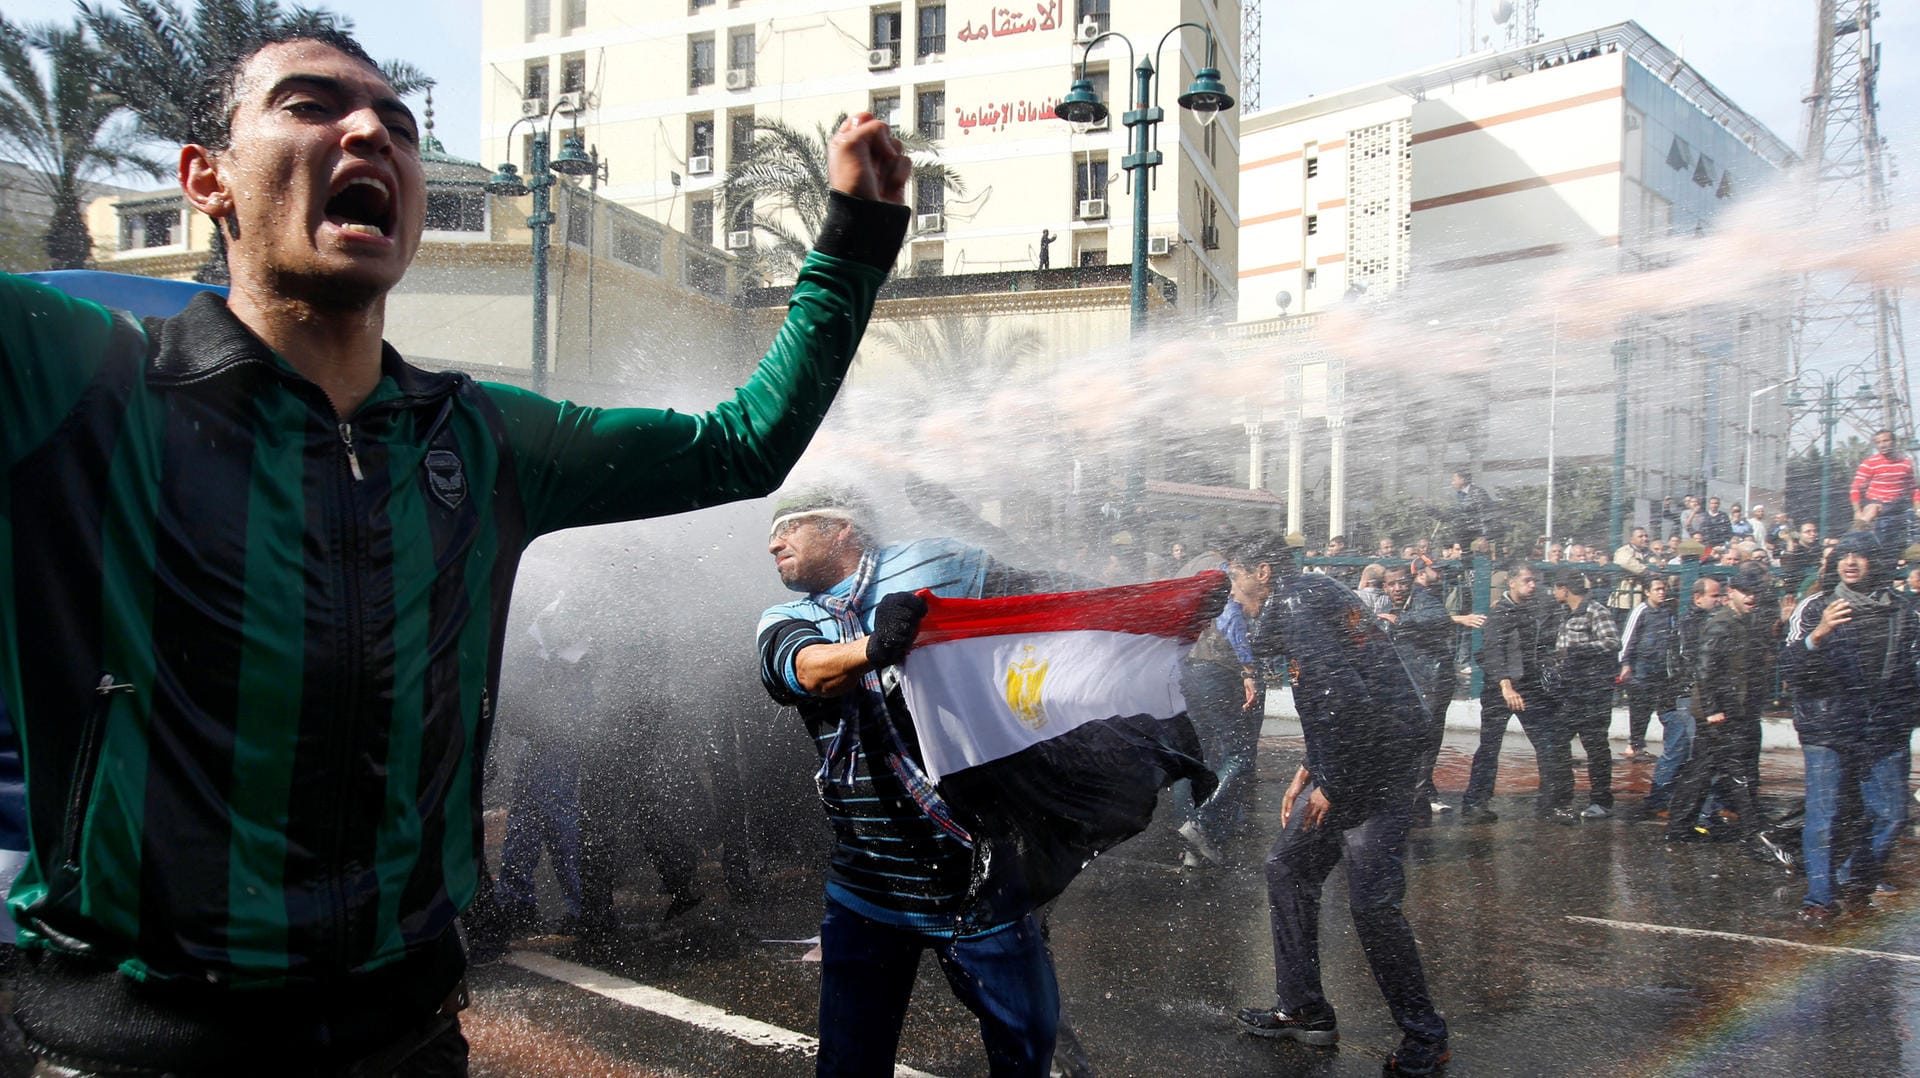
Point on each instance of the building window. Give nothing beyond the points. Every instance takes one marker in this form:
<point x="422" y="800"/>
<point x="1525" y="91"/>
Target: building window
<point x="151" y="228"/>
<point x="694" y="6"/>
<point x="929" y="194"/>
<point x="637" y="246"/>
<point x="740" y="54"/>
<point x="886" y="29"/>
<point x="576" y="16"/>
<point x="700" y="220"/>
<point x="537" y="71"/>
<point x="929" y="260"/>
<point x="1209" y="141"/>
<point x="1090" y="178"/>
<point x="933" y="31"/>
<point x="699" y="62"/>
<point x="1313" y="278"/>
<point x="456" y="211"/>
<point x="739" y="133"/>
<point x="1099" y="12"/>
<point x="887" y="107"/>
<point x="707" y="274"/>
<point x="740" y="219"/>
<point x="1313" y="224"/>
<point x="539" y="16"/>
<point x="1092" y="256"/>
<point x="1313" y="167"/>
<point x="930" y="113"/>
<point x="700" y="138"/>
<point x="573" y="73"/>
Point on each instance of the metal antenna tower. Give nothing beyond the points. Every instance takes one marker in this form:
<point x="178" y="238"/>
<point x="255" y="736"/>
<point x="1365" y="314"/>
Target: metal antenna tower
<point x="1845" y="317"/>
<point x="1249" y="56"/>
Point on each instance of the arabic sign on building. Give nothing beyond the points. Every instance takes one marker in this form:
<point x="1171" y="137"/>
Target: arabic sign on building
<point x="1006" y="21"/>
<point x="996" y="115"/>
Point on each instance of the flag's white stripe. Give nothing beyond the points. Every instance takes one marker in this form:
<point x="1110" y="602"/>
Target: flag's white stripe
<point x="958" y="691"/>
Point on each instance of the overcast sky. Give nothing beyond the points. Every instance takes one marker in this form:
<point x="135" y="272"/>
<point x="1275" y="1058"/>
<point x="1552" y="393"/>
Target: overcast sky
<point x="1758" y="52"/>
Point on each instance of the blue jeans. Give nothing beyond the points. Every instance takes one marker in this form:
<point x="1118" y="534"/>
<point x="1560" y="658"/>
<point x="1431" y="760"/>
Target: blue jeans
<point x="866" y="976"/>
<point x="1676" y="744"/>
<point x="1856" y="806"/>
<point x="1230" y="734"/>
<point x="543" y="814"/>
<point x="1893" y="527"/>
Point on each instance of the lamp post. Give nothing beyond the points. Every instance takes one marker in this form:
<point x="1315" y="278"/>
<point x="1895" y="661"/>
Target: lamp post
<point x="1830" y="405"/>
<point x="573" y="161"/>
<point x="1206" y="98"/>
<point x="1746" y="473"/>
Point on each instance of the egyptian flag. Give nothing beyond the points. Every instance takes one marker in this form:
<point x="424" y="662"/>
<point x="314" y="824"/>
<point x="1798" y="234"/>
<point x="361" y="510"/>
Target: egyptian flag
<point x="1051" y="722"/>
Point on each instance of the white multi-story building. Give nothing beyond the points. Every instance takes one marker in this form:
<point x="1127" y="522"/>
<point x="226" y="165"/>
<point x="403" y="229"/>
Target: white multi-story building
<point x="1453" y="192"/>
<point x="673" y="89"/>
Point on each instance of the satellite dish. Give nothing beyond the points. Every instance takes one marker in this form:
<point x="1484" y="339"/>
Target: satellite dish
<point x="1503" y="11"/>
<point x="1284" y="299"/>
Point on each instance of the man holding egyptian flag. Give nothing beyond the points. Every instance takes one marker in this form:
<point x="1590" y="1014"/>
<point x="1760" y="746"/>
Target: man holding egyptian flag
<point x="1024" y="736"/>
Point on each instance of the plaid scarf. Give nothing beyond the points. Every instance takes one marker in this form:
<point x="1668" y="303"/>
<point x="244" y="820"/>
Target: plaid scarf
<point x="843" y="751"/>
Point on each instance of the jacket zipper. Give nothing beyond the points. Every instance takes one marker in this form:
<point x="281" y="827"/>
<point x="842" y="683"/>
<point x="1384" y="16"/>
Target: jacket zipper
<point x="86" y="762"/>
<point x="344" y="732"/>
<point x="353" y="459"/>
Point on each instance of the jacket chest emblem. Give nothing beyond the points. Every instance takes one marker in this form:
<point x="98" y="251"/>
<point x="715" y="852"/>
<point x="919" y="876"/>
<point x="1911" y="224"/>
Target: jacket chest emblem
<point x="446" y="477"/>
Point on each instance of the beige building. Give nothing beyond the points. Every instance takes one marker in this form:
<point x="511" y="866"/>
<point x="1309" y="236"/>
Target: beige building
<point x="672" y="89"/>
<point x="1432" y="206"/>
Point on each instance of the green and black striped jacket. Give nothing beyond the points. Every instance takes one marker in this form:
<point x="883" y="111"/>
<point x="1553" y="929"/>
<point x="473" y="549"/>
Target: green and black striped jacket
<point x="251" y="647"/>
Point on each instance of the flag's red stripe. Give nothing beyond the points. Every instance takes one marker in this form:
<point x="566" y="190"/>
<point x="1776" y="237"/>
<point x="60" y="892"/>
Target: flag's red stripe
<point x="1175" y="608"/>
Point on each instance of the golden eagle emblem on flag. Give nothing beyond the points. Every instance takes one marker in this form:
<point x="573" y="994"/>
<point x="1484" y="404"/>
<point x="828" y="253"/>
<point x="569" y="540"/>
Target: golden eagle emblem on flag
<point x="1024" y="679"/>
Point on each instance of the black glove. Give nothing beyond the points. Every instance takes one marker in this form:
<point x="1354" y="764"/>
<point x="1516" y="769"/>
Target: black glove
<point x="896" y="621"/>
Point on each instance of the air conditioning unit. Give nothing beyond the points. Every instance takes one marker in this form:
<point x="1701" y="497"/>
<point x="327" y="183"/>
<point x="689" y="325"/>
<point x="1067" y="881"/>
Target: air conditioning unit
<point x="1158" y="245"/>
<point x="570" y="103"/>
<point x="929" y="222"/>
<point x="1102" y="123"/>
<point x="1089" y="29"/>
<point x="739" y="78"/>
<point x="533" y="106"/>
<point x="700" y="165"/>
<point x="739" y="240"/>
<point x="881" y="58"/>
<point x="1092" y="209"/>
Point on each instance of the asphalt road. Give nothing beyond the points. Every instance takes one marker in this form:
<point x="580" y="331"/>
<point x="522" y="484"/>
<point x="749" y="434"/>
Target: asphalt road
<point x="1588" y="950"/>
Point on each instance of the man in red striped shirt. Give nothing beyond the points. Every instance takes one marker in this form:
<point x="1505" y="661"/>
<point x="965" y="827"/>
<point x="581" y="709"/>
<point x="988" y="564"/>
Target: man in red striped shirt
<point x="1884" y="493"/>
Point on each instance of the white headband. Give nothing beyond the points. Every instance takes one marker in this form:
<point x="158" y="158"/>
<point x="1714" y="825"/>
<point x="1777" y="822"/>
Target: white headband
<point x="785" y="518"/>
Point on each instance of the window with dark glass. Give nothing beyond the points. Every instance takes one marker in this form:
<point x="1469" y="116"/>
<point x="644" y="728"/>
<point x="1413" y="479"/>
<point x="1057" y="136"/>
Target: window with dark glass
<point x="1313" y="224"/>
<point x="576" y="14"/>
<point x="694" y="6"/>
<point x="573" y="73"/>
<point x="1093" y="256"/>
<point x="1090" y="178"/>
<point x="933" y="31"/>
<point x="456" y="211"/>
<point x="740" y="218"/>
<point x="699" y="62"/>
<point x="929" y="194"/>
<point x="1099" y="12"/>
<point x="739" y="133"/>
<point x="887" y="107"/>
<point x="539" y="16"/>
<point x="886" y="29"/>
<point x="1313" y="278"/>
<point x="930" y="113"/>
<point x="700" y="220"/>
<point x="700" y="142"/>
<point x="740" y="54"/>
<point x="1313" y="167"/>
<point x="537" y="71"/>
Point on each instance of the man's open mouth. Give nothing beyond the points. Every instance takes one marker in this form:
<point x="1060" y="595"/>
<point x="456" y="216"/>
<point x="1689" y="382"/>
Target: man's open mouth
<point x="364" y="205"/>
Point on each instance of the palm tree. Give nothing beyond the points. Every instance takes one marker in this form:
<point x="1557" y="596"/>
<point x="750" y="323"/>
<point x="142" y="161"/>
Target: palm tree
<point x="160" y="55"/>
<point x="786" y="168"/>
<point x="960" y="357"/>
<point x="62" y="129"/>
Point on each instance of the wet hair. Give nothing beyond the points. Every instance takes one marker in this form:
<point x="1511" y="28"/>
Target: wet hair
<point x="1572" y="580"/>
<point x="1261" y="548"/>
<point x="212" y="119"/>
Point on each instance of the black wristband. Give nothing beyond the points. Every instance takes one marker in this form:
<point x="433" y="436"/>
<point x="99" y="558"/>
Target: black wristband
<point x="863" y="230"/>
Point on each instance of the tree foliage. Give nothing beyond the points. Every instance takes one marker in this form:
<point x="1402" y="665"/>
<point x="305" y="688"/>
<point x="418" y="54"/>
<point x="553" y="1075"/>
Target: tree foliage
<point x="62" y="126"/>
<point x="785" y="168"/>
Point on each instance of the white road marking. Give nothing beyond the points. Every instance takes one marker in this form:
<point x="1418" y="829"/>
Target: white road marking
<point x="1669" y="930"/>
<point x="679" y="1008"/>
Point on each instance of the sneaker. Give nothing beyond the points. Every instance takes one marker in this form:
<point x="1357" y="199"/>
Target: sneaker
<point x="1885" y="888"/>
<point x="1418" y="1055"/>
<point x="1688" y="834"/>
<point x="1595" y="812"/>
<point x="1439" y="807"/>
<point x="1562" y="815"/>
<point x="1189" y="859"/>
<point x="1762" y="846"/>
<point x="1477" y="814"/>
<point x="1816" y="915"/>
<point x="1278" y="1024"/>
